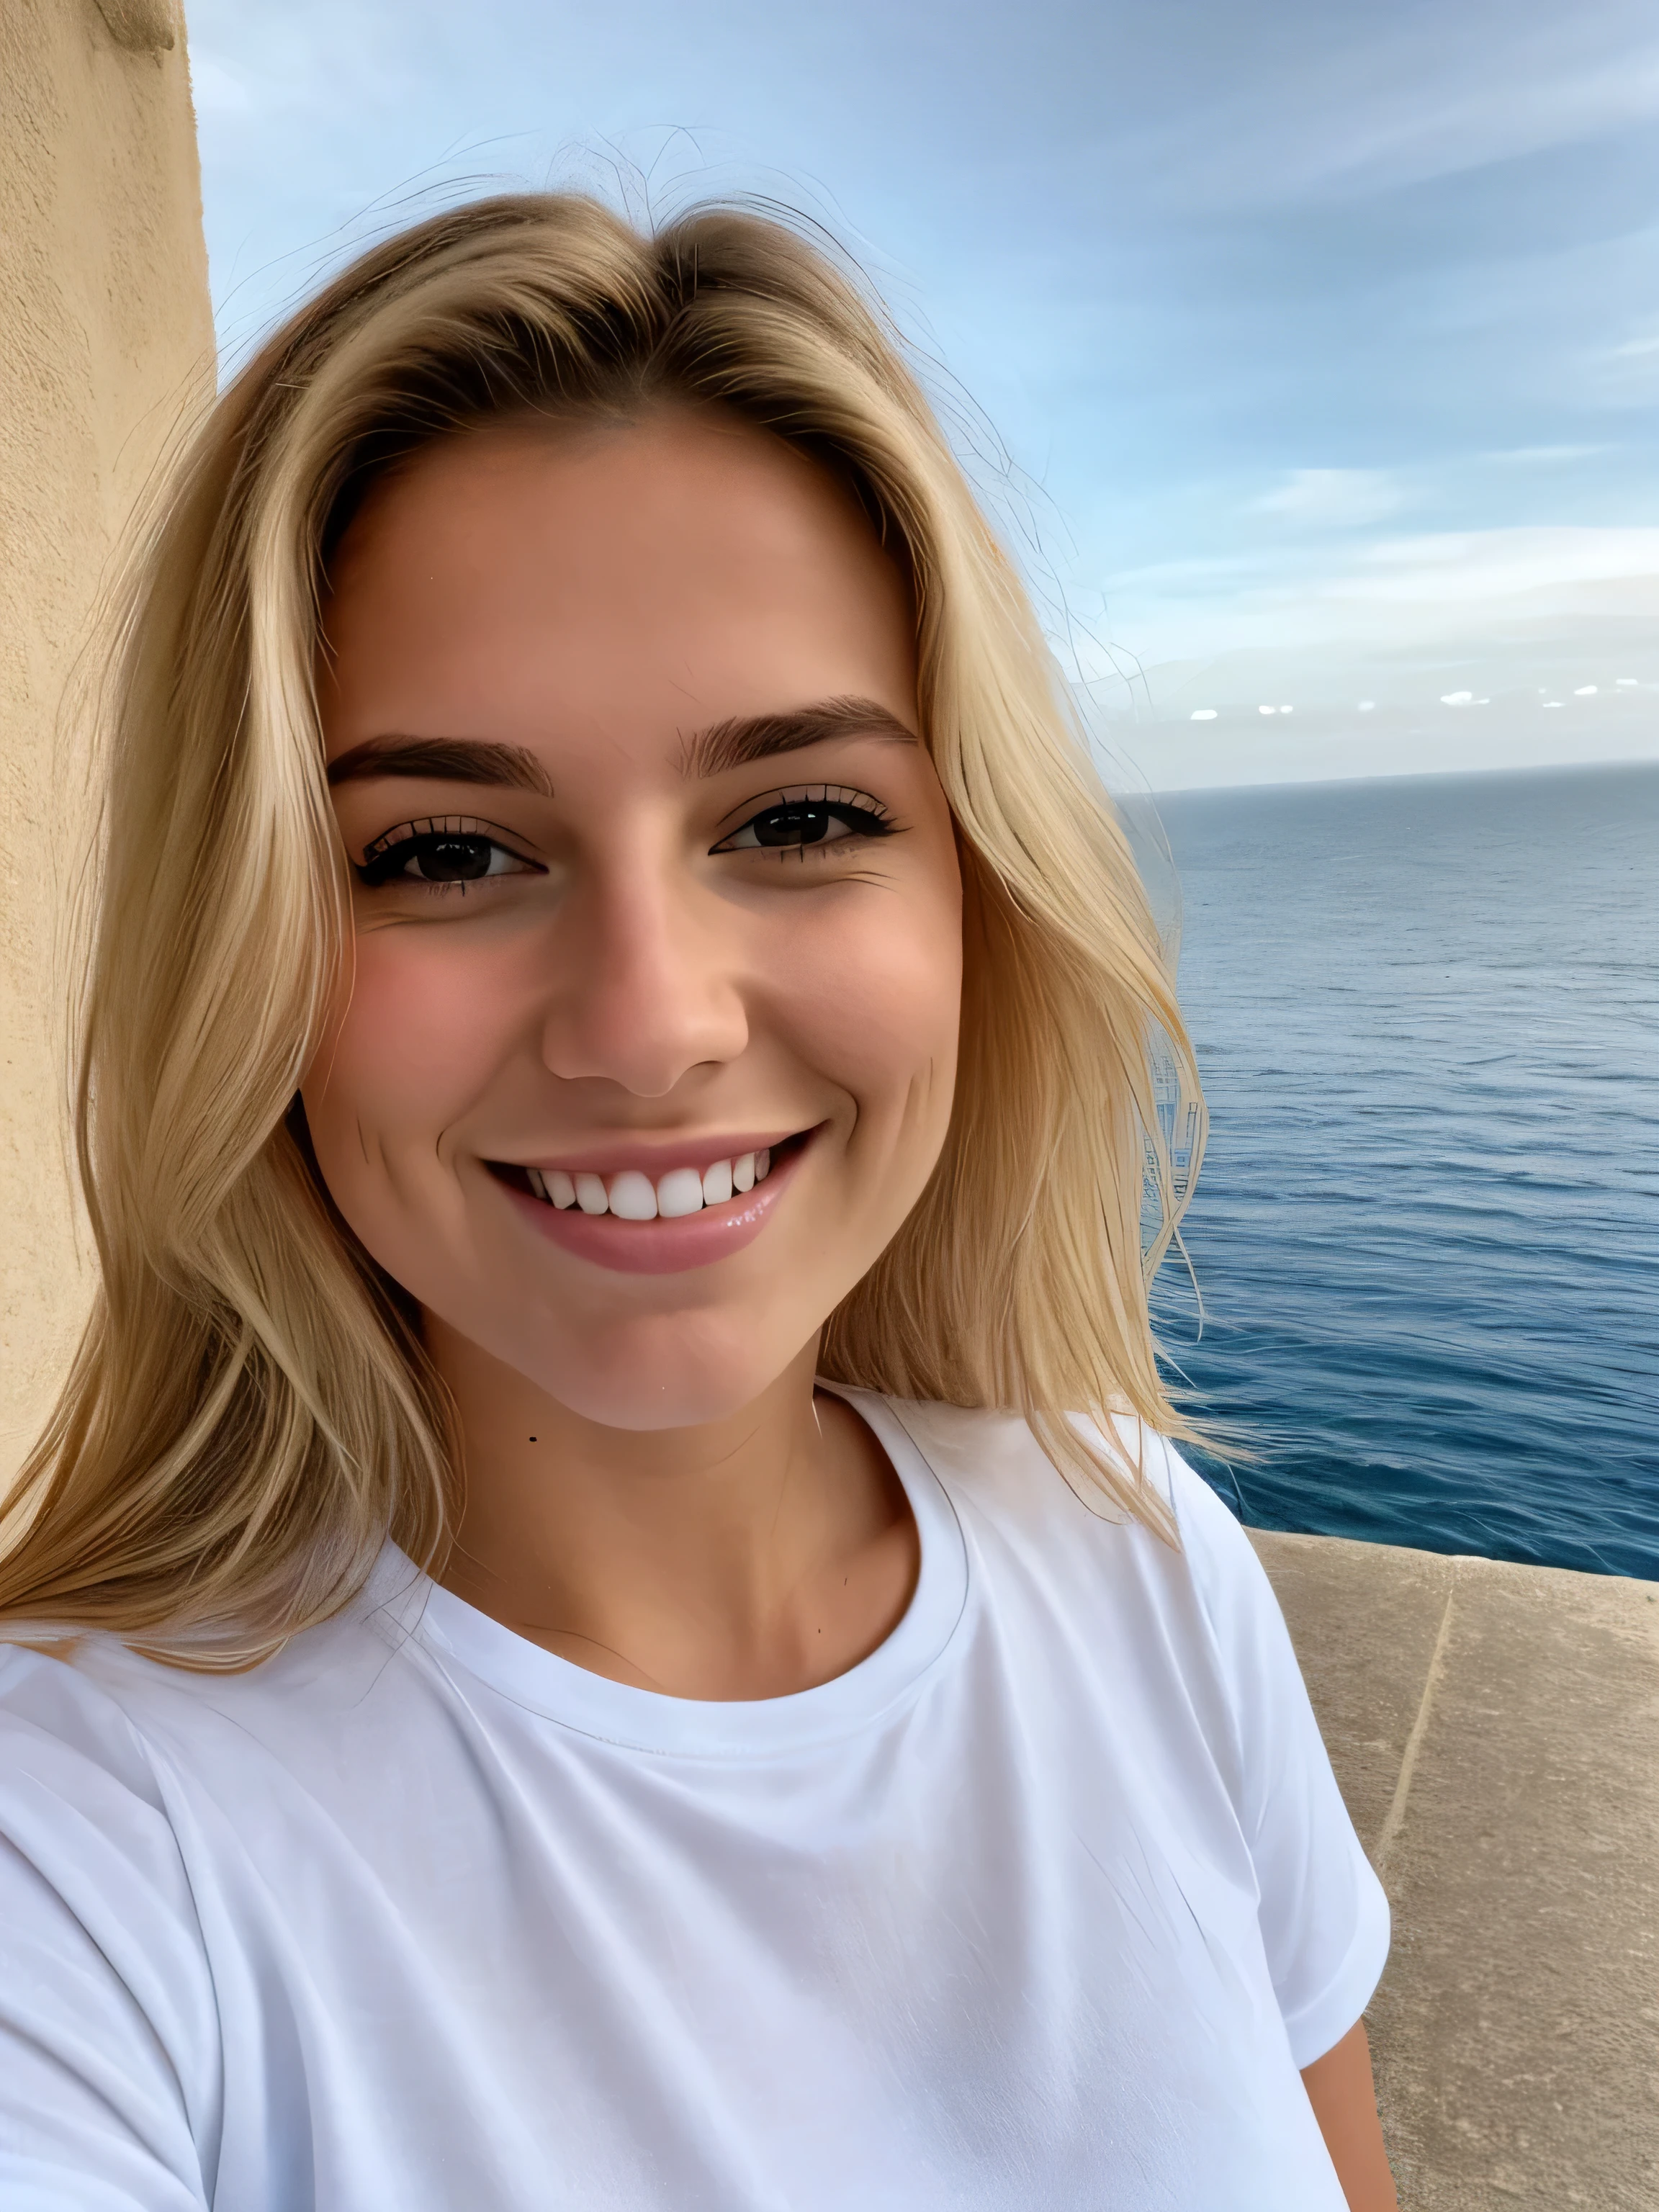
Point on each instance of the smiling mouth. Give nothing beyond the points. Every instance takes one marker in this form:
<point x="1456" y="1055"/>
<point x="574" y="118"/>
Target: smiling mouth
<point x="628" y="1194"/>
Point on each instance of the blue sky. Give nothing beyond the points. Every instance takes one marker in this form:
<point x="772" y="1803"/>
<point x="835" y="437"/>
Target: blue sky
<point x="1321" y="341"/>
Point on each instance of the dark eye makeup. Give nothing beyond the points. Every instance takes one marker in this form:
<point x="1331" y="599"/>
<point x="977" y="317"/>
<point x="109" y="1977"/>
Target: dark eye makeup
<point x="817" y="815"/>
<point x="452" y="850"/>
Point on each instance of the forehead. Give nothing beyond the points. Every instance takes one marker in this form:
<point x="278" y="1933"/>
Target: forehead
<point x="654" y="573"/>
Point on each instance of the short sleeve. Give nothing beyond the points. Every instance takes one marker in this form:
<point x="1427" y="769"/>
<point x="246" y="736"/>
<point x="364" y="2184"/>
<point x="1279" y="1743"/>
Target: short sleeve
<point x="107" y="2023"/>
<point x="1324" y="1915"/>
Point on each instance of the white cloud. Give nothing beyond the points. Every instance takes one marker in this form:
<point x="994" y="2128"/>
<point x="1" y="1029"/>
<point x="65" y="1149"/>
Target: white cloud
<point x="1470" y="566"/>
<point x="316" y="111"/>
<point x="1398" y="95"/>
<point x="1334" y="499"/>
<point x="1542" y="456"/>
<point x="1394" y="593"/>
<point x="1627" y="374"/>
<point x="1175" y="757"/>
<point x="1425" y="721"/>
<point x="1507" y="626"/>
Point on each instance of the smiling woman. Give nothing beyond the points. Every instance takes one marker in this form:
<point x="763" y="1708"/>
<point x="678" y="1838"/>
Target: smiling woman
<point x="644" y="623"/>
<point x="612" y="1615"/>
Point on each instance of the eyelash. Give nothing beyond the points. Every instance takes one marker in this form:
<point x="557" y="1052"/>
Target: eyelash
<point x="861" y="816"/>
<point x="384" y="860"/>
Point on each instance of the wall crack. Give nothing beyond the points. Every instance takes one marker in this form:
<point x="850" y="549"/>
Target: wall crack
<point x="1395" y="1816"/>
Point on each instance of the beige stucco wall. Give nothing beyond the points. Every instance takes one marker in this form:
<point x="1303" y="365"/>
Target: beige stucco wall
<point x="105" y="336"/>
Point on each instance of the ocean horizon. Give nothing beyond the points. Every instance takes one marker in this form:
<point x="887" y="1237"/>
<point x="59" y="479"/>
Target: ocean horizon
<point x="1426" y="1233"/>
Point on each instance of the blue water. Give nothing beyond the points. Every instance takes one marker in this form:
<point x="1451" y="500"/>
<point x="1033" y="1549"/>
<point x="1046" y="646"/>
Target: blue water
<point x="1427" y="1230"/>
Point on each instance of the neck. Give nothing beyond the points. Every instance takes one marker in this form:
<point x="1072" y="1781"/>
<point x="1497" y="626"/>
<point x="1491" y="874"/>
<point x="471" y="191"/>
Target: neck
<point x="750" y="1556"/>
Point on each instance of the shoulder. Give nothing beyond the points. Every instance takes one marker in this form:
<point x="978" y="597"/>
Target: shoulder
<point x="58" y="1717"/>
<point x="1192" y="1626"/>
<point x="1200" y="1608"/>
<point x="84" y="1799"/>
<point x="991" y="1464"/>
<point x="91" y="1717"/>
<point x="84" y="1816"/>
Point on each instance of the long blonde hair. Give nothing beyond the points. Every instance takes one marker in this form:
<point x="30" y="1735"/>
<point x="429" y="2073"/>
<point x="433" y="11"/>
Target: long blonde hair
<point x="250" y="1414"/>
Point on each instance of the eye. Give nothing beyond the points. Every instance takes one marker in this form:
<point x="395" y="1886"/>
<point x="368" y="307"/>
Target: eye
<point x="440" y="852"/>
<point x="823" y="815"/>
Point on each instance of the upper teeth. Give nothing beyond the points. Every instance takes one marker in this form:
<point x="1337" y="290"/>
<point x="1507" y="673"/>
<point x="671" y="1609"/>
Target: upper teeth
<point x="634" y="1197"/>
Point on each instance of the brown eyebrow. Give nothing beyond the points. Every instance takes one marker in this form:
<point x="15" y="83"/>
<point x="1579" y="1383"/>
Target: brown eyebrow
<point x="723" y="746"/>
<point x="736" y="743"/>
<point x="448" y="760"/>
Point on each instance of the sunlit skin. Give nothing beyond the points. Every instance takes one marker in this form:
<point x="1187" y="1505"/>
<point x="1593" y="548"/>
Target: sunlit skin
<point x="652" y="1488"/>
<point x="1343" y="2095"/>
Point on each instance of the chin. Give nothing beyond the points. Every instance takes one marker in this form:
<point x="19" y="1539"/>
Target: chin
<point x="669" y="1371"/>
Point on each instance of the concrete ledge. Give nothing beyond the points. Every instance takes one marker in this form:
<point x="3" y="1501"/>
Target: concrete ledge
<point x="1495" y="1731"/>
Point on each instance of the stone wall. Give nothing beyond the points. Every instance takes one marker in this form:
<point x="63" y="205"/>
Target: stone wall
<point x="1495" y="1731"/>
<point x="105" y="344"/>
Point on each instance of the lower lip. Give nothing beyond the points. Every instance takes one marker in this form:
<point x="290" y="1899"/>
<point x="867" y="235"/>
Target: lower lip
<point x="660" y="1247"/>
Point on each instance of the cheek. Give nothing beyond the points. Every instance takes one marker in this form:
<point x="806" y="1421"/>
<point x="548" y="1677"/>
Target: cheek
<point x="874" y="1001"/>
<point x="427" y="1020"/>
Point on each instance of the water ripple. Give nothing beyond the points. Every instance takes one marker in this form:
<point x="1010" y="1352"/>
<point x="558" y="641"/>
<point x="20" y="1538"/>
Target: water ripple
<point x="1427" y="1013"/>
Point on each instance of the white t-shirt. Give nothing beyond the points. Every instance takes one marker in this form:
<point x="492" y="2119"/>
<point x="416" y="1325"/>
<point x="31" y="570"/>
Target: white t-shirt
<point x="1041" y="1904"/>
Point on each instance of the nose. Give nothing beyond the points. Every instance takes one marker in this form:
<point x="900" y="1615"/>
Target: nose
<point x="647" y="985"/>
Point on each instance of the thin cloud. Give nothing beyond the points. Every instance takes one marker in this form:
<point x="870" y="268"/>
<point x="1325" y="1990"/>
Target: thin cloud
<point x="1334" y="499"/>
<point x="1543" y="456"/>
<point x="1489" y="565"/>
<point x="1376" y="99"/>
<point x="1627" y="374"/>
<point x="1164" y="249"/>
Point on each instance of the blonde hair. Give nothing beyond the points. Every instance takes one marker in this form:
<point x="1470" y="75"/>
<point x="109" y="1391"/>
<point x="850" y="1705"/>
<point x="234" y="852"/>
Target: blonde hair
<point x="250" y="1415"/>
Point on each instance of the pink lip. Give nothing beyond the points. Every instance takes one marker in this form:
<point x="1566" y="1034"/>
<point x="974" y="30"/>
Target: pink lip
<point x="660" y="1248"/>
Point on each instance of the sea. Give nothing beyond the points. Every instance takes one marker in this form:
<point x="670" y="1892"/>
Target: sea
<point x="1425" y="1236"/>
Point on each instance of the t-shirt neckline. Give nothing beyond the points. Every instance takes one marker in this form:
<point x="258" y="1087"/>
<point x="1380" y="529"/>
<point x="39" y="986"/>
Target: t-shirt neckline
<point x="645" y="1720"/>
